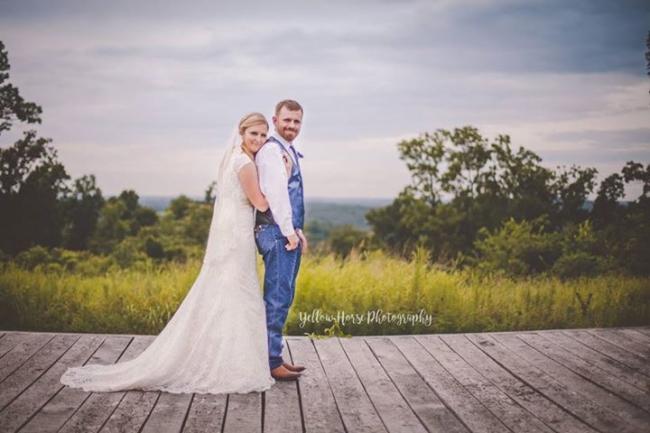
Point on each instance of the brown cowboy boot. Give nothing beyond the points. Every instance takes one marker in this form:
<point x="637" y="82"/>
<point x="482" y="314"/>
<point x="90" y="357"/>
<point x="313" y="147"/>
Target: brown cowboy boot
<point x="293" y="367"/>
<point x="282" y="373"/>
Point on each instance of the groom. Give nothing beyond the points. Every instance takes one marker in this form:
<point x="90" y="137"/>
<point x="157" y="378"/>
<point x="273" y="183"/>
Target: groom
<point x="278" y="231"/>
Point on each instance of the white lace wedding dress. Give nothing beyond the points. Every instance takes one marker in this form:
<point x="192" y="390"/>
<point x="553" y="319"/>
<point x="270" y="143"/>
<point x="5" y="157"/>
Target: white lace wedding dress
<point x="216" y="341"/>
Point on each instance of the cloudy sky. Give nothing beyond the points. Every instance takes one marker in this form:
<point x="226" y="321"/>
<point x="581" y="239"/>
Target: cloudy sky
<point x="144" y="94"/>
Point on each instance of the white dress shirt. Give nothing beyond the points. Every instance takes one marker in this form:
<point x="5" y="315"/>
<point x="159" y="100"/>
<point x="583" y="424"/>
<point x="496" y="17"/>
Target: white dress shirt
<point x="274" y="181"/>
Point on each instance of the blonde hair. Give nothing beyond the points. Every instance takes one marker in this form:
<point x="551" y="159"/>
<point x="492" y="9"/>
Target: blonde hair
<point x="252" y="119"/>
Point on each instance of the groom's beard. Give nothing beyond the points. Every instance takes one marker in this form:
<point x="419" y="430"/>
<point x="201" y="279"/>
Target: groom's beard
<point x="289" y="134"/>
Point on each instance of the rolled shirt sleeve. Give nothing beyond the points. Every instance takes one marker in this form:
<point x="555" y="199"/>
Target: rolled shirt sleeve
<point x="274" y="185"/>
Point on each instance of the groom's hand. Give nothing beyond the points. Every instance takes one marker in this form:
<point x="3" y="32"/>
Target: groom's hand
<point x="293" y="242"/>
<point x="303" y="241"/>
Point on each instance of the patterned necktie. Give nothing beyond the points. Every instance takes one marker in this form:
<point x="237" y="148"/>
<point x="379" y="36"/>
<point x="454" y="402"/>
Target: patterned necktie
<point x="296" y="154"/>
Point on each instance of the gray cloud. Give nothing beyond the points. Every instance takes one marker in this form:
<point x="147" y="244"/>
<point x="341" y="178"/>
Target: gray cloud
<point x="142" y="93"/>
<point x="617" y="140"/>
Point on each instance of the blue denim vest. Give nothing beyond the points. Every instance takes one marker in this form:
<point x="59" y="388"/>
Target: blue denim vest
<point x="296" y="196"/>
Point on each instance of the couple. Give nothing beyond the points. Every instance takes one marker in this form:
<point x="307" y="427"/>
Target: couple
<point x="224" y="338"/>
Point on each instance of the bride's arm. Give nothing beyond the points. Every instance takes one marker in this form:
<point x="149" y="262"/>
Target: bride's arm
<point x="251" y="185"/>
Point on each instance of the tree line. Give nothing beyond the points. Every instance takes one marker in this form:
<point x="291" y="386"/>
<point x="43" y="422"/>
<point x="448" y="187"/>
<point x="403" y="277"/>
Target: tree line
<point x="472" y="202"/>
<point x="481" y="202"/>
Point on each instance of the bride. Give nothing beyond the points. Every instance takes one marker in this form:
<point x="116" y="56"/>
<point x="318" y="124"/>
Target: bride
<point x="216" y="341"/>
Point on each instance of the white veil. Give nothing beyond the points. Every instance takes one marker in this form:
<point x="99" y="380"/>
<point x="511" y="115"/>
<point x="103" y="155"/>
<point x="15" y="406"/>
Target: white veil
<point x="220" y="240"/>
<point x="231" y="145"/>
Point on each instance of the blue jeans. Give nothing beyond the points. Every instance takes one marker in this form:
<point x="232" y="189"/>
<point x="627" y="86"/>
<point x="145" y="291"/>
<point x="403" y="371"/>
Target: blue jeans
<point x="280" y="272"/>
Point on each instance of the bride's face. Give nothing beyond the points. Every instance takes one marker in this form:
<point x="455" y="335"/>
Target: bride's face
<point x="254" y="137"/>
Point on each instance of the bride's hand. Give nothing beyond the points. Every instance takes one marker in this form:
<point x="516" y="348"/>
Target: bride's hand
<point x="287" y="164"/>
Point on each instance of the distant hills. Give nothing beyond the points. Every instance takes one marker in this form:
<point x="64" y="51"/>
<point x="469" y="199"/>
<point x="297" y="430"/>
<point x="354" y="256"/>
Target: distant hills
<point x="328" y="211"/>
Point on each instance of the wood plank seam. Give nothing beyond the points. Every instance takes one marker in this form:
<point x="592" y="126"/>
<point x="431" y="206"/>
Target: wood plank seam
<point x="40" y="375"/>
<point x="150" y="411"/>
<point x="616" y="392"/>
<point x="302" y="415"/>
<point x="611" y="366"/>
<point x="225" y="414"/>
<point x="429" y="386"/>
<point x="530" y="385"/>
<point x="28" y="358"/>
<point x="363" y="386"/>
<point x="609" y="355"/>
<point x="560" y="374"/>
<point x="600" y="337"/>
<point x="62" y="386"/>
<point x="329" y="385"/>
<point x="397" y="388"/>
<point x="91" y="393"/>
<point x="491" y="382"/>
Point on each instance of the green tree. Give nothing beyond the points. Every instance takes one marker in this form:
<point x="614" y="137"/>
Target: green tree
<point x="343" y="239"/>
<point x="12" y="105"/>
<point x="31" y="182"/>
<point x="209" y="196"/>
<point x="119" y="218"/>
<point x="31" y="177"/>
<point x="82" y="208"/>
<point x="462" y="182"/>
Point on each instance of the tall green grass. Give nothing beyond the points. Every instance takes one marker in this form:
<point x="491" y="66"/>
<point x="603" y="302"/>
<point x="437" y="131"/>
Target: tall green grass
<point x="142" y="301"/>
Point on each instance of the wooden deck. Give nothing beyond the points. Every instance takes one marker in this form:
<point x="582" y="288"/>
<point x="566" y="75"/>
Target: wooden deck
<point x="579" y="380"/>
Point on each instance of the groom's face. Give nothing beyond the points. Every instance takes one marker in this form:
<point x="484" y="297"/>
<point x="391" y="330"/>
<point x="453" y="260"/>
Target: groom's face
<point x="287" y="123"/>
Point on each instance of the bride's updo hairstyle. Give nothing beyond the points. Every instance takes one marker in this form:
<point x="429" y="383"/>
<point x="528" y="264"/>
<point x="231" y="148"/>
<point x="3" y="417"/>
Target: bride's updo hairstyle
<point x="251" y="119"/>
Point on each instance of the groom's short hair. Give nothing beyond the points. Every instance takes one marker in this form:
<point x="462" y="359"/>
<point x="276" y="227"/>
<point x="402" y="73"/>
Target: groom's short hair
<point x="290" y="104"/>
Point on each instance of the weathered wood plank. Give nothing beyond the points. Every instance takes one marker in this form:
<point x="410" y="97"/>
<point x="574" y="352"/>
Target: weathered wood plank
<point x="319" y="408"/>
<point x="573" y="381"/>
<point x="34" y="367"/>
<point x="588" y="371"/>
<point x="622" y="340"/>
<point x="47" y="383"/>
<point x="645" y="330"/>
<point x="596" y="416"/>
<point x="57" y="411"/>
<point x="391" y="406"/>
<point x="282" y="406"/>
<point x="470" y="410"/>
<point x="631" y="414"/>
<point x="604" y="362"/>
<point x="168" y="414"/>
<point x="613" y="351"/>
<point x="10" y="340"/>
<point x="244" y="413"/>
<point x="357" y="411"/>
<point x="519" y="390"/>
<point x="206" y="413"/>
<point x="96" y="409"/>
<point x="133" y="409"/>
<point x="427" y="405"/>
<point x="499" y="403"/>
<point x="636" y="335"/>
<point x="25" y="346"/>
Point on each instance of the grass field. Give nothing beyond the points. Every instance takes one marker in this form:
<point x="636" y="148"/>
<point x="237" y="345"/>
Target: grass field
<point x="376" y="294"/>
